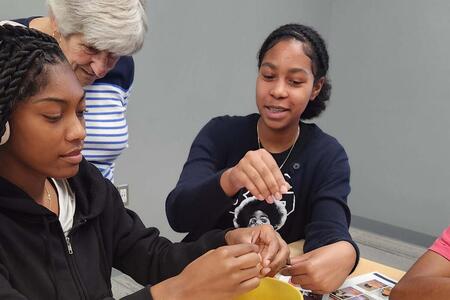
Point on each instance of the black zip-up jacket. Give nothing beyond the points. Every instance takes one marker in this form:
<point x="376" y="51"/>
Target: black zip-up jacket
<point x="38" y="262"/>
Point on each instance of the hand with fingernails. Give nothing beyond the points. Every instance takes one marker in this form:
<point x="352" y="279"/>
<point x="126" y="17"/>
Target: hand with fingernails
<point x="273" y="250"/>
<point x="259" y="173"/>
<point x="228" y="271"/>
<point x="319" y="270"/>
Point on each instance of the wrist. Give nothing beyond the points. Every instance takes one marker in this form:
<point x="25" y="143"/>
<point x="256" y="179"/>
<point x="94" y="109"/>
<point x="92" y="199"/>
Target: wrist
<point x="170" y="289"/>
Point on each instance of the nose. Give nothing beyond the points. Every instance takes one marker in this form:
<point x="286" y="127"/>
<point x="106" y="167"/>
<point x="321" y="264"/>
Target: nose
<point x="101" y="64"/>
<point x="279" y="90"/>
<point x="76" y="131"/>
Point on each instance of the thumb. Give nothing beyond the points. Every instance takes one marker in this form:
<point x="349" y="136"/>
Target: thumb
<point x="297" y="267"/>
<point x="298" y="259"/>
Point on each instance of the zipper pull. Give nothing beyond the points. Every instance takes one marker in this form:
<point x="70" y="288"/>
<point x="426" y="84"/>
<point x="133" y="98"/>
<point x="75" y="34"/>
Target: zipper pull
<point x="69" y="245"/>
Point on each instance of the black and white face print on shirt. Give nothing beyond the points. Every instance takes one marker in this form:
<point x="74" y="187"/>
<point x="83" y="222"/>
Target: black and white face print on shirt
<point x="249" y="211"/>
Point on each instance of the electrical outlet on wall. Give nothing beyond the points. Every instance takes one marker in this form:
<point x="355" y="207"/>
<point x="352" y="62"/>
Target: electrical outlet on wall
<point x="123" y="191"/>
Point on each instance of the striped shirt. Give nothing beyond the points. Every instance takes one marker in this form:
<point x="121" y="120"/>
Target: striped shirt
<point x="106" y="126"/>
<point x="106" y="103"/>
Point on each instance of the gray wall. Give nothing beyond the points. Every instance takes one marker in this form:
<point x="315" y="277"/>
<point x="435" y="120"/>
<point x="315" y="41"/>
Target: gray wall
<point x="10" y="9"/>
<point x="389" y="109"/>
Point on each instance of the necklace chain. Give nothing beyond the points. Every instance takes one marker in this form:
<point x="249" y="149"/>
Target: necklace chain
<point x="49" y="196"/>
<point x="290" y="150"/>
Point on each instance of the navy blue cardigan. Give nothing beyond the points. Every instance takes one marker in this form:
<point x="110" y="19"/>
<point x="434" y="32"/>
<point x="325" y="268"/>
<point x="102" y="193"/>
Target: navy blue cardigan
<point x="317" y="169"/>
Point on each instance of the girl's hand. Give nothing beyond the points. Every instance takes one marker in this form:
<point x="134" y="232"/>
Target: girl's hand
<point x="259" y="173"/>
<point x="222" y="273"/>
<point x="322" y="270"/>
<point x="273" y="249"/>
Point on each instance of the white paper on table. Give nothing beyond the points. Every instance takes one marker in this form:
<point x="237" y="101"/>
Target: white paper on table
<point x="370" y="286"/>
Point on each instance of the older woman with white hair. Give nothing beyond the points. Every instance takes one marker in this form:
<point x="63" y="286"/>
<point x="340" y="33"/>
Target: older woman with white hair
<point x="97" y="38"/>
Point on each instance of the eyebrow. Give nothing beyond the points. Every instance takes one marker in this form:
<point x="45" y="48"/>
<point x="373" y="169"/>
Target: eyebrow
<point x="58" y="100"/>
<point x="292" y="70"/>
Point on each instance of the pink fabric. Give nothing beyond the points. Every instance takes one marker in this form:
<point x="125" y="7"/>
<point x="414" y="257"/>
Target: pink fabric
<point x="442" y="244"/>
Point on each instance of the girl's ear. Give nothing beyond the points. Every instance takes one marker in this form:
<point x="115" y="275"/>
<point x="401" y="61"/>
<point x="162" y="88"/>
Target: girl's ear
<point x="316" y="88"/>
<point x="53" y="25"/>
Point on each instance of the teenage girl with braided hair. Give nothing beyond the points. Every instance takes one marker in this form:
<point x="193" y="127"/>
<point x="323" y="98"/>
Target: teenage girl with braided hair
<point x="63" y="226"/>
<point x="275" y="159"/>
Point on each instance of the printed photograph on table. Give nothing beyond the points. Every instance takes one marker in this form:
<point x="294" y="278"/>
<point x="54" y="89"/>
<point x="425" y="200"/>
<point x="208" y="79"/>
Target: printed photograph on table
<point x="372" y="286"/>
<point x="345" y="293"/>
<point x="386" y="292"/>
<point x="308" y="295"/>
<point x="361" y="297"/>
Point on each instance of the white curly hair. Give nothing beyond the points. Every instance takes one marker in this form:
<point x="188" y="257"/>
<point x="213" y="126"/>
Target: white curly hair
<point x="116" y="26"/>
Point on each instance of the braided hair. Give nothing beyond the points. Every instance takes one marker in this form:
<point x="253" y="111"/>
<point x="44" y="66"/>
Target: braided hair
<point x="24" y="55"/>
<point x="315" y="48"/>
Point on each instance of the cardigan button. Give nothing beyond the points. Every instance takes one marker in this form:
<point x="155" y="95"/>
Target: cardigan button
<point x="296" y="166"/>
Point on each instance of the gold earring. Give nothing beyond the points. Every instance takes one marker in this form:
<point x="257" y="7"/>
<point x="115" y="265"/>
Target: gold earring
<point x="54" y="36"/>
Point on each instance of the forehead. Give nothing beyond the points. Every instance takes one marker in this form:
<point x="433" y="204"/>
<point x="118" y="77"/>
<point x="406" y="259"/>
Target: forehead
<point x="61" y="83"/>
<point x="288" y="51"/>
<point x="78" y="39"/>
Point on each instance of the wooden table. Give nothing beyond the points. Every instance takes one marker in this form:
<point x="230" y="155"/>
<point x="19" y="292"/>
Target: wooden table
<point x="364" y="266"/>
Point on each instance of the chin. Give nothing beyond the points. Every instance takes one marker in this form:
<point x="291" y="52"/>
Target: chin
<point x="87" y="82"/>
<point x="274" y="124"/>
<point x="66" y="172"/>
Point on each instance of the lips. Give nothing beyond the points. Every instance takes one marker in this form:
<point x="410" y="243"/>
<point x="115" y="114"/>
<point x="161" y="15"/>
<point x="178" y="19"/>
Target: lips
<point x="73" y="156"/>
<point x="88" y="73"/>
<point x="72" y="153"/>
<point x="276" y="109"/>
<point x="275" y="112"/>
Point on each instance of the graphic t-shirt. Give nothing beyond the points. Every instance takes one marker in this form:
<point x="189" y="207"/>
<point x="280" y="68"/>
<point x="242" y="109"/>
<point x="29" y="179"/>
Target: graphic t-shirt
<point x="248" y="211"/>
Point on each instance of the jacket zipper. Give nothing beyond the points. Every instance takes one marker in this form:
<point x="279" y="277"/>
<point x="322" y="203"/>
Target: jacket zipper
<point x="74" y="228"/>
<point x="72" y="263"/>
<point x="69" y="245"/>
<point x="75" y="275"/>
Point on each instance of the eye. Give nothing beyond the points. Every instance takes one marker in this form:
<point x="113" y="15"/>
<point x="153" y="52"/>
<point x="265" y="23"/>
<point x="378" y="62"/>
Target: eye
<point x="268" y="76"/>
<point x="53" y="118"/>
<point x="90" y="49"/>
<point x="81" y="113"/>
<point x="295" y="83"/>
<point x="113" y="57"/>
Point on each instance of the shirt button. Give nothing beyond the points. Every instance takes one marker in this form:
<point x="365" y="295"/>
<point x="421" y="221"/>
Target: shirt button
<point x="296" y="166"/>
